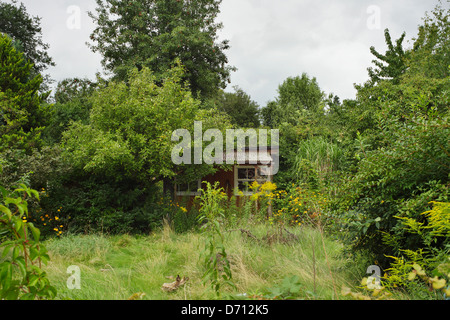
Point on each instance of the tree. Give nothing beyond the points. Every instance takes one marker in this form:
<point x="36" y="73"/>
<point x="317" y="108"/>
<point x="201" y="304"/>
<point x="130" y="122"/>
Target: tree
<point x="392" y="64"/>
<point x="130" y="128"/>
<point x="21" y="114"/>
<point x="72" y="103"/>
<point x="121" y="158"/>
<point x="430" y="53"/>
<point x="299" y="99"/>
<point x="27" y="36"/>
<point x="302" y="93"/>
<point x="153" y="33"/>
<point x="268" y="114"/>
<point x="402" y="148"/>
<point x="238" y="105"/>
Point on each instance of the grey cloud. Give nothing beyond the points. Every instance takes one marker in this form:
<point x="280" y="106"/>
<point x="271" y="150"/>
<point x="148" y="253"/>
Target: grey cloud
<point x="270" y="40"/>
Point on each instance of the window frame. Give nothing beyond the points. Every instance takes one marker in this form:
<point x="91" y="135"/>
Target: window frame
<point x="237" y="180"/>
<point x="189" y="193"/>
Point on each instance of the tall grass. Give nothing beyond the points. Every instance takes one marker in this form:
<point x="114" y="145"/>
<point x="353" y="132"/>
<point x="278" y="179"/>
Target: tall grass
<point x="316" y="159"/>
<point x="116" y="267"/>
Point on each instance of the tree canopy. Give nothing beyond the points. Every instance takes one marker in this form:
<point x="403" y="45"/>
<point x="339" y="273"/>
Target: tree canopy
<point x="244" y="112"/>
<point x="26" y="33"/>
<point x="153" y="33"/>
<point x="20" y="102"/>
<point x="130" y="128"/>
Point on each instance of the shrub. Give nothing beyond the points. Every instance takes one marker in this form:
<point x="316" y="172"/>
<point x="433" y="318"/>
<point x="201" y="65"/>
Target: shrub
<point x="212" y="215"/>
<point x="21" y="276"/>
<point x="399" y="179"/>
<point x="297" y="206"/>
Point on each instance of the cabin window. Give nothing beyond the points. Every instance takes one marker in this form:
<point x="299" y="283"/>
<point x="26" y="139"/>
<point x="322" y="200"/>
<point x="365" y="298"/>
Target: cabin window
<point x="188" y="189"/>
<point x="244" y="176"/>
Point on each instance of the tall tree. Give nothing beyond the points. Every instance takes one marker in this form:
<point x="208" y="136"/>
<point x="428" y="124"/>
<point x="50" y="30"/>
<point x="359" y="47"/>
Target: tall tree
<point x="301" y="93"/>
<point x="130" y="128"/>
<point x="430" y="56"/>
<point x="20" y="109"/>
<point x="243" y="111"/>
<point x="299" y="99"/>
<point x="26" y="33"/>
<point x="153" y="33"/>
<point x="392" y="64"/>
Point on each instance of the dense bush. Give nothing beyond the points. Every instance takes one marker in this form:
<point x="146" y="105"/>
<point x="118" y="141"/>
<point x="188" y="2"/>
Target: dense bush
<point x="23" y="255"/>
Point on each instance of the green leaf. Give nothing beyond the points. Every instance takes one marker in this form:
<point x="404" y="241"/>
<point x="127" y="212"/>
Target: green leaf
<point x="33" y="253"/>
<point x="35" y="231"/>
<point x="6" y="275"/>
<point x="18" y="223"/>
<point x="33" y="280"/>
<point x="28" y="296"/>
<point x="21" y="264"/>
<point x="35" y="193"/>
<point x="16" y="252"/>
<point x="6" y="211"/>
<point x="8" y="245"/>
<point x="3" y="192"/>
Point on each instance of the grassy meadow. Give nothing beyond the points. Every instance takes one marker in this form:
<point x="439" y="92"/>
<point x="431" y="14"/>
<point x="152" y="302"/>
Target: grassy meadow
<point x="116" y="267"/>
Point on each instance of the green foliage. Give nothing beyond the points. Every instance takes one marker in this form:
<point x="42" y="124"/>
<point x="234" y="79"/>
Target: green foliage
<point x="392" y="64"/>
<point x="154" y="34"/>
<point x="27" y="36"/>
<point x="212" y="215"/>
<point x="299" y="112"/>
<point x="238" y="105"/>
<point x="131" y="126"/>
<point x="20" y="104"/>
<point x="317" y="160"/>
<point x="72" y="104"/>
<point x="290" y="288"/>
<point x="431" y="229"/>
<point x="299" y="100"/>
<point x="404" y="177"/>
<point x="408" y="274"/>
<point x="101" y="204"/>
<point x="401" y="153"/>
<point x="21" y="274"/>
<point x="430" y="50"/>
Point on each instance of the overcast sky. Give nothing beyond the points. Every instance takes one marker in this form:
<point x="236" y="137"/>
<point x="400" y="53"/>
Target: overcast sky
<point x="270" y="40"/>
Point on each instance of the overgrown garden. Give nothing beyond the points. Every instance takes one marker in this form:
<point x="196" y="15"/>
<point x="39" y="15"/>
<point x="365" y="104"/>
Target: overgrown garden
<point x="362" y="182"/>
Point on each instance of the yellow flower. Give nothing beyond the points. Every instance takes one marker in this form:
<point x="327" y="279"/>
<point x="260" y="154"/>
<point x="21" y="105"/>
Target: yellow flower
<point x="183" y="209"/>
<point x="254" y="185"/>
<point x="254" y="196"/>
<point x="56" y="218"/>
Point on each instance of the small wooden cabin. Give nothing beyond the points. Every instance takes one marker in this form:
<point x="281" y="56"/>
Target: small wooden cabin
<point x="243" y="173"/>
